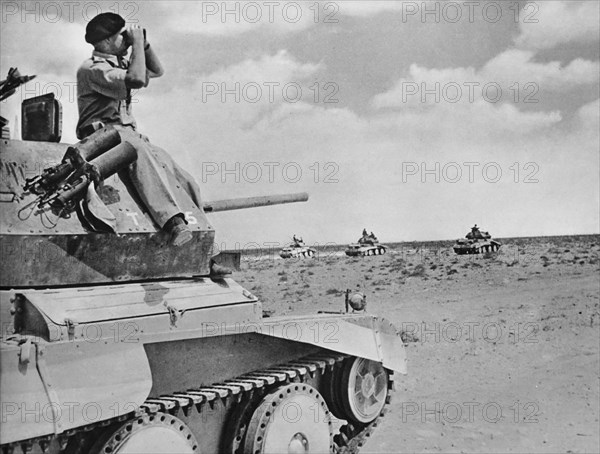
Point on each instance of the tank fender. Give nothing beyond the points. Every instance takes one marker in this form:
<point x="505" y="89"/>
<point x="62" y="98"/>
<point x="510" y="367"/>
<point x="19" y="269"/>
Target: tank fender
<point x="365" y="336"/>
<point x="54" y="387"/>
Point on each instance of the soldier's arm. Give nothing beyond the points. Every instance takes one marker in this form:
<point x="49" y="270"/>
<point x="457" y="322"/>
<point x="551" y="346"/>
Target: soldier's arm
<point x="153" y="65"/>
<point x="136" y="73"/>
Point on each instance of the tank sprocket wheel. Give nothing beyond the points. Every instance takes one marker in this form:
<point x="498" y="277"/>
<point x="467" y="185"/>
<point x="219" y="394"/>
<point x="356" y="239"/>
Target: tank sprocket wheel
<point x="364" y="385"/>
<point x="237" y="425"/>
<point x="292" y="419"/>
<point x="156" y="433"/>
<point x="333" y="392"/>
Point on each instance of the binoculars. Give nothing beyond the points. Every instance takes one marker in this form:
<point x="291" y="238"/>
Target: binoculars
<point x="127" y="39"/>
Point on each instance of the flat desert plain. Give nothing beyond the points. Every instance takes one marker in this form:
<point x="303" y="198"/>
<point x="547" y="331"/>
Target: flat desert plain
<point x="503" y="348"/>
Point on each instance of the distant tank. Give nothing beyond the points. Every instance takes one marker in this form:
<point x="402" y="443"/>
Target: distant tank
<point x="368" y="244"/>
<point x="476" y="242"/>
<point x="297" y="249"/>
<point x="120" y="343"/>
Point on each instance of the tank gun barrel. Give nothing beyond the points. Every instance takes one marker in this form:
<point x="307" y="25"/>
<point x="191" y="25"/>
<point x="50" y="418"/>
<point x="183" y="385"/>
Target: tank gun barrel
<point x="253" y="202"/>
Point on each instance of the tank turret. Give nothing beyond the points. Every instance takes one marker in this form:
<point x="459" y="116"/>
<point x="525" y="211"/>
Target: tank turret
<point x="76" y="219"/>
<point x="121" y="342"/>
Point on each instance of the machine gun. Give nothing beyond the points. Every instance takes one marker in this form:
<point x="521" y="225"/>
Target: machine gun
<point x="67" y="193"/>
<point x="92" y="160"/>
<point x="13" y="80"/>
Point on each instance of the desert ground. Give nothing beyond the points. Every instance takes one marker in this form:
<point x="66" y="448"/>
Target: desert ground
<point x="503" y="348"/>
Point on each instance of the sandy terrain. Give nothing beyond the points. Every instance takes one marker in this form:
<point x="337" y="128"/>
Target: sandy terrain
<point x="508" y="359"/>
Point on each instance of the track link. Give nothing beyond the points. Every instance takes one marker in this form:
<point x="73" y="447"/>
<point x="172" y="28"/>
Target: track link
<point x="349" y="439"/>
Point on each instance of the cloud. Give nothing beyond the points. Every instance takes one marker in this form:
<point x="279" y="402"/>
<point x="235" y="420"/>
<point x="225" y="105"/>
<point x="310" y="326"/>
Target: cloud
<point x="515" y="65"/>
<point x="511" y="76"/>
<point x="265" y="68"/>
<point x="231" y="18"/>
<point x="41" y="51"/>
<point x="548" y="24"/>
<point x="371" y="8"/>
<point x="228" y="105"/>
<point x="589" y="115"/>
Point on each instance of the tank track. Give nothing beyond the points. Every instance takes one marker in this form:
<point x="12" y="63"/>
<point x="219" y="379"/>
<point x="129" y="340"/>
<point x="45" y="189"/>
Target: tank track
<point x="349" y="439"/>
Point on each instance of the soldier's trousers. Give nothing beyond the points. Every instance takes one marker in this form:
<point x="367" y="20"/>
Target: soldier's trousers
<point x="149" y="174"/>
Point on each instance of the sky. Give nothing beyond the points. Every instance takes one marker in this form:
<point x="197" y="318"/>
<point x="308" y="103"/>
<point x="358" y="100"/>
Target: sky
<point x="414" y="120"/>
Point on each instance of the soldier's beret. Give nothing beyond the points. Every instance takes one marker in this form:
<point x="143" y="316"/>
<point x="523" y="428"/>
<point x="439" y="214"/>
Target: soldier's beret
<point x="102" y="26"/>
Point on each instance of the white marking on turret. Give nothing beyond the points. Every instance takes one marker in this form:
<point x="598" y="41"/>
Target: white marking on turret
<point x="134" y="217"/>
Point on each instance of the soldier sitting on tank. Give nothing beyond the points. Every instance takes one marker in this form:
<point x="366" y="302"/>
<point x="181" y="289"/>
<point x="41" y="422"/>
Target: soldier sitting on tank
<point x="298" y="242"/>
<point x="364" y="238"/>
<point x="475" y="233"/>
<point x="104" y="84"/>
<point x="372" y="237"/>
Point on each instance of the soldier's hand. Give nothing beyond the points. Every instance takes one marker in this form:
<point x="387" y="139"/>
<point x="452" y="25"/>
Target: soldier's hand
<point x="135" y="33"/>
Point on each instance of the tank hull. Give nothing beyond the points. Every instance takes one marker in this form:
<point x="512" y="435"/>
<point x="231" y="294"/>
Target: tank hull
<point x="462" y="247"/>
<point x="146" y="345"/>
<point x="297" y="252"/>
<point x="362" y="250"/>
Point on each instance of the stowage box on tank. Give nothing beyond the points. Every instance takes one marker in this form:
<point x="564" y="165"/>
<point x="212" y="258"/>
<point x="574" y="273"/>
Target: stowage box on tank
<point x="121" y="343"/>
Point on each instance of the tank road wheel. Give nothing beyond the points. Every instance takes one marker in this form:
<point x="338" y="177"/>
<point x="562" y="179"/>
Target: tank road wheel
<point x="364" y="386"/>
<point x="292" y="419"/>
<point x="156" y="433"/>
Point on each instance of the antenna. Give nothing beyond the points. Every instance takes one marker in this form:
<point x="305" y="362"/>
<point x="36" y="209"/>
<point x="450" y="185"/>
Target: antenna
<point x="17" y="131"/>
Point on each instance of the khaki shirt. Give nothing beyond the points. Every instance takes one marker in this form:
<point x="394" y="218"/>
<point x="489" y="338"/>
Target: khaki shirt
<point x="102" y="95"/>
